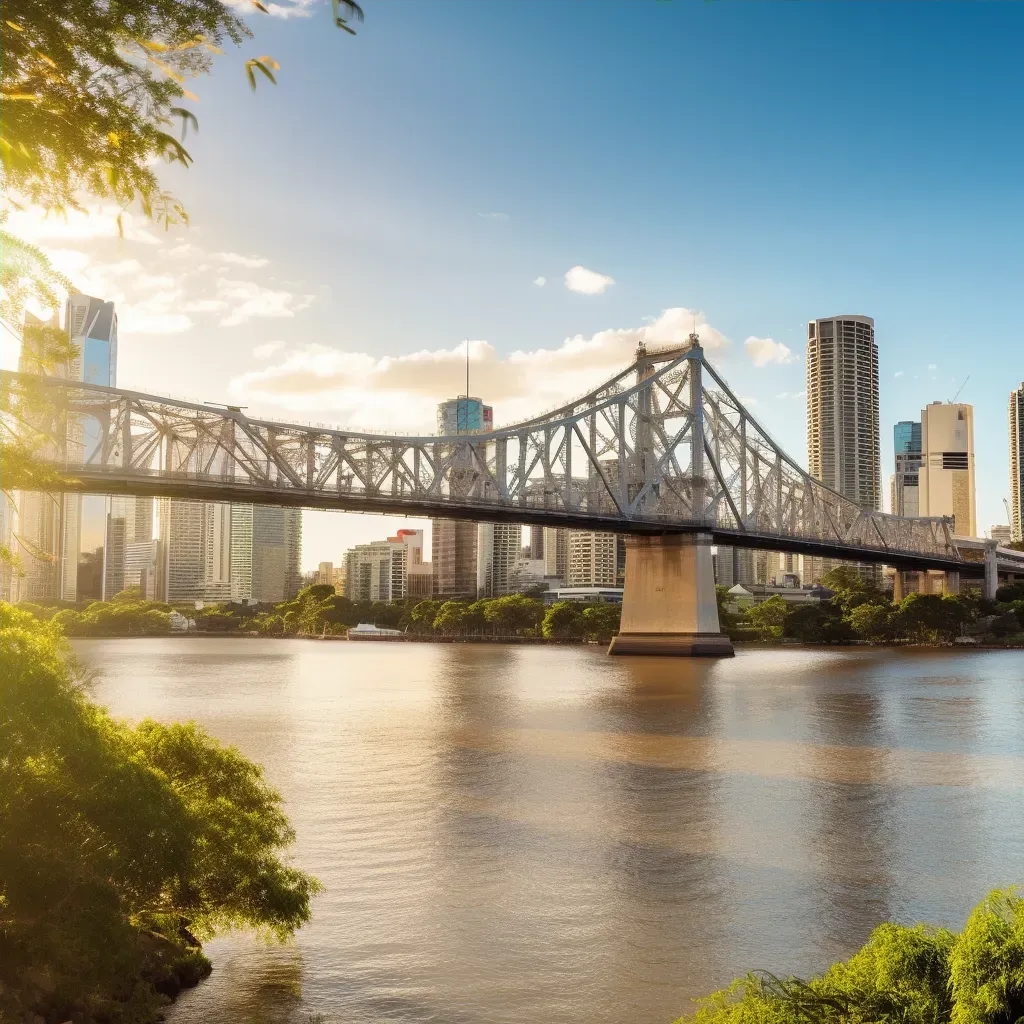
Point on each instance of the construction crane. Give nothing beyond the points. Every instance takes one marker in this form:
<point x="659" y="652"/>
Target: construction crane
<point x="959" y="389"/>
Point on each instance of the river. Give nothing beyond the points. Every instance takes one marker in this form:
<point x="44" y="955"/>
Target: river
<point x="519" y="834"/>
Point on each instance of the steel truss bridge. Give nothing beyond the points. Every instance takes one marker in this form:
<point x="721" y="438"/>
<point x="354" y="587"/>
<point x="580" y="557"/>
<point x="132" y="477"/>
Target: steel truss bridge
<point x="663" y="447"/>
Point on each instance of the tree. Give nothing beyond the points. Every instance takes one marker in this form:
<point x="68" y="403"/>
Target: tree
<point x="768" y="616"/>
<point x="930" y="617"/>
<point x="602" y="621"/>
<point x="423" y="614"/>
<point x="817" y="623"/>
<point x="872" y="622"/>
<point x="450" y="618"/>
<point x="564" y="621"/>
<point x="514" y="614"/>
<point x="92" y="91"/>
<point x="120" y="845"/>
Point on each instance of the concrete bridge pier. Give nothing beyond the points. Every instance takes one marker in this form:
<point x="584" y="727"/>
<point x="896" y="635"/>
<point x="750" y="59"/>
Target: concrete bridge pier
<point x="669" y="605"/>
<point x="991" y="570"/>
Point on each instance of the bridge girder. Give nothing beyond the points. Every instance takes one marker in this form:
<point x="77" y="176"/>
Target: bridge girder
<point x="665" y="446"/>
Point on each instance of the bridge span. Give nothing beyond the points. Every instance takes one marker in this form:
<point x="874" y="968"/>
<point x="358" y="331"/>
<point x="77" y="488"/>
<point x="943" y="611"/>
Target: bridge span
<point x="664" y="452"/>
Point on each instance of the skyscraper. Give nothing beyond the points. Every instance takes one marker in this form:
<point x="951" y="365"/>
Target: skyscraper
<point x="843" y="445"/>
<point x="60" y="537"/>
<point x="947" y="465"/>
<point x="904" y="497"/>
<point x="1017" y="463"/>
<point x="378" y="571"/>
<point x="499" y="546"/>
<point x="91" y="324"/>
<point x="556" y="553"/>
<point x="454" y="543"/>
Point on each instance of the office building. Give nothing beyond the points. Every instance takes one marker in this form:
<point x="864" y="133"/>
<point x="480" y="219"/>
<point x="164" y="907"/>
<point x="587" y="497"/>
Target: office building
<point x="130" y="557"/>
<point x="1016" y="418"/>
<point x="536" y="542"/>
<point x="377" y="571"/>
<point x="843" y="445"/>
<point x="420" y="574"/>
<point x="556" y="553"/>
<point x="453" y="543"/>
<point x="325" y="574"/>
<point x="1003" y="534"/>
<point x="947" y="465"/>
<point x="212" y="551"/>
<point x="592" y="559"/>
<point x="904" y="490"/>
<point x="527" y="574"/>
<point x="733" y="565"/>
<point x="498" y="550"/>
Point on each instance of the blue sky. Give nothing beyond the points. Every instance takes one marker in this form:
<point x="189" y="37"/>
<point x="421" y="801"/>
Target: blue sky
<point x="763" y="164"/>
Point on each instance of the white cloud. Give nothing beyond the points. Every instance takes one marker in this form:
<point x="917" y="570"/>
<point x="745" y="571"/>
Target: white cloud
<point x="266" y="350"/>
<point x="794" y="395"/>
<point x="540" y="281"/>
<point x="287" y="9"/>
<point x="766" y="350"/>
<point x="246" y="299"/>
<point x="494" y="216"/>
<point x="238" y="260"/>
<point x="898" y="373"/>
<point x="932" y="366"/>
<point x="95" y="221"/>
<point x="587" y="282"/>
<point x="403" y="391"/>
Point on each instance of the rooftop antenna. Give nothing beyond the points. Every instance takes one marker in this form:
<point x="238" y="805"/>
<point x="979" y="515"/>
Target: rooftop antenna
<point x="467" y="374"/>
<point x="959" y="389"/>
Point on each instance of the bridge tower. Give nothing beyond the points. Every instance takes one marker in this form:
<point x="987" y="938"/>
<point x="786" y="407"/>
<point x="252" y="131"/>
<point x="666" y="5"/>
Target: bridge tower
<point x="669" y="604"/>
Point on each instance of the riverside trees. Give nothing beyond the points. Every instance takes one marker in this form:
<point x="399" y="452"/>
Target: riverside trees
<point x="121" y="847"/>
<point x="916" y="975"/>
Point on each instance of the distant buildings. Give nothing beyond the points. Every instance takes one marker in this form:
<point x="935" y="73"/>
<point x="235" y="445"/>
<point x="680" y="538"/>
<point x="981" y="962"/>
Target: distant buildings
<point x="377" y="571"/>
<point x="1016" y="418"/>
<point x="536" y="542"/>
<point x="947" y="465"/>
<point x="212" y="551"/>
<point x="904" y="493"/>
<point x="1003" y="534"/>
<point x="388" y="570"/>
<point x="60" y="539"/>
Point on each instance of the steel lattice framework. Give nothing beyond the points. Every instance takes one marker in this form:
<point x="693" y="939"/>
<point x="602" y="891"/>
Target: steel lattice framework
<point x="663" y="447"/>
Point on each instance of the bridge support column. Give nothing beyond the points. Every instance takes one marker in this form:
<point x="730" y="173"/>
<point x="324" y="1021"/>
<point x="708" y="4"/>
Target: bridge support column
<point x="991" y="570"/>
<point x="899" y="587"/>
<point x="669" y="606"/>
<point x="952" y="585"/>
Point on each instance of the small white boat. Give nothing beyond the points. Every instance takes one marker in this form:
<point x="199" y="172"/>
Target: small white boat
<point x="368" y="631"/>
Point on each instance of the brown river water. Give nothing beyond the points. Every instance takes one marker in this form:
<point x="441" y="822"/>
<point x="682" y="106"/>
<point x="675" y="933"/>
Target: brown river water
<point x="522" y="834"/>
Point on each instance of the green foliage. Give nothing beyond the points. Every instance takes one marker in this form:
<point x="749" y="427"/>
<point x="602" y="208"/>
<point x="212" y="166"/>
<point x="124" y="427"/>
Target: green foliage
<point x="769" y="616"/>
<point x="601" y="621"/>
<point x="514" y="614"/>
<point x="119" y="844"/>
<point x="902" y="975"/>
<point x="564" y="621"/>
<point x="931" y="617"/>
<point x="818" y="623"/>
<point x="124" y="616"/>
<point x="423" y="614"/>
<point x="872" y="621"/>
<point x="451" y="617"/>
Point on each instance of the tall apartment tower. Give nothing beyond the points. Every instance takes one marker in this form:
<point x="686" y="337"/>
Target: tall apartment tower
<point x="593" y="558"/>
<point x="904" y="489"/>
<point x="556" y="553"/>
<point x="843" y="443"/>
<point x="843" y="446"/>
<point x="499" y="547"/>
<point x="454" y="545"/>
<point x="947" y="465"/>
<point x="1017" y="463"/>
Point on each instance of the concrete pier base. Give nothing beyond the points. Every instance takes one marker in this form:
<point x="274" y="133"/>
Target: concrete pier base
<point x="669" y="605"/>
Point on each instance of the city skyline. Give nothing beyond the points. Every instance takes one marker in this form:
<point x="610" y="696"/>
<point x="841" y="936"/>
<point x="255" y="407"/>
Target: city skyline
<point x="355" y="309"/>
